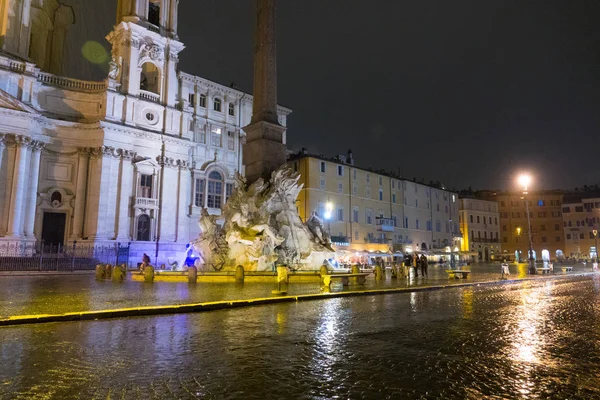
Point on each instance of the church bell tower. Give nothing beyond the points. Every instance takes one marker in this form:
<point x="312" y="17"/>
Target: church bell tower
<point x="145" y="50"/>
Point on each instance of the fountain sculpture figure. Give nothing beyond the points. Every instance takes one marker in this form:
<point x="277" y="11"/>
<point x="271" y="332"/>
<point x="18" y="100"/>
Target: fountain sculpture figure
<point x="261" y="227"/>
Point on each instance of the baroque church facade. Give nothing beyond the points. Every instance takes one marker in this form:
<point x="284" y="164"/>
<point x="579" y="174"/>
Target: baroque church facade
<point x="133" y="158"/>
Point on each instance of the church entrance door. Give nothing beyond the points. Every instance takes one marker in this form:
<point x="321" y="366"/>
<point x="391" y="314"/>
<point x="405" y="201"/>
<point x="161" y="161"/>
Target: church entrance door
<point x="53" y="228"/>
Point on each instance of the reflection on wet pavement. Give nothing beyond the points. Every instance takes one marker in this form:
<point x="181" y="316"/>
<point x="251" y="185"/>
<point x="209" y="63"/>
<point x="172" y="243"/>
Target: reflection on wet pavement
<point x="27" y="295"/>
<point x="530" y="340"/>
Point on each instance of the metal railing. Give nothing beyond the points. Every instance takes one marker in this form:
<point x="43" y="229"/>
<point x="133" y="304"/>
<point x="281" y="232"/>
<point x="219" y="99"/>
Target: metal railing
<point x="40" y="257"/>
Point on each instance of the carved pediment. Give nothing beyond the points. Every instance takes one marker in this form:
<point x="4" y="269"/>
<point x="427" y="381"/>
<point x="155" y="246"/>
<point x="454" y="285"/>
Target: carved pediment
<point x="12" y="103"/>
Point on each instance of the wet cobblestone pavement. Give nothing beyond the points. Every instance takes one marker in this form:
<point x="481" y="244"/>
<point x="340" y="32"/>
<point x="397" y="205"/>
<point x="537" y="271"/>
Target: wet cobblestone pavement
<point x="529" y="340"/>
<point x="56" y="294"/>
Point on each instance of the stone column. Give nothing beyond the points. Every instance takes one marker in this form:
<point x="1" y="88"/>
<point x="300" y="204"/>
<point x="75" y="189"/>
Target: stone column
<point x="264" y="150"/>
<point x="19" y="183"/>
<point x="34" y="175"/>
<point x="94" y="176"/>
<point x="80" y="193"/>
<point x="168" y="199"/>
<point x="126" y="191"/>
<point x="3" y="181"/>
<point x="183" y="235"/>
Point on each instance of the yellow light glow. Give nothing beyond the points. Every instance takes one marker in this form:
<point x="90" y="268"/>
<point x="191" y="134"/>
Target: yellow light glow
<point x="518" y="230"/>
<point x="524" y="180"/>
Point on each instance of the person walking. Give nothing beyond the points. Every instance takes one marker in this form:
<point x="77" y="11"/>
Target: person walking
<point x="423" y="265"/>
<point x="416" y="264"/>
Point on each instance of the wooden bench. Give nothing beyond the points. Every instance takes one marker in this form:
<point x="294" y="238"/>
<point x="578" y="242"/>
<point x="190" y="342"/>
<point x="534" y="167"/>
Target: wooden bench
<point x="566" y="269"/>
<point x="458" y="273"/>
<point x="345" y="278"/>
<point x="543" y="270"/>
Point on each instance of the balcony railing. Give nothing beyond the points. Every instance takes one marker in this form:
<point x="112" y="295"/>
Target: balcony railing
<point x="377" y="240"/>
<point x="71" y="84"/>
<point x="483" y="240"/>
<point x="149" y="96"/>
<point x="144" y="202"/>
<point x="385" y="224"/>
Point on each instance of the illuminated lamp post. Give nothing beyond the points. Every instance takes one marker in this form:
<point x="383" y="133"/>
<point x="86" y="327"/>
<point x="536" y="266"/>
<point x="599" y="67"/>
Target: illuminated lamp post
<point x="524" y="181"/>
<point x="595" y="232"/>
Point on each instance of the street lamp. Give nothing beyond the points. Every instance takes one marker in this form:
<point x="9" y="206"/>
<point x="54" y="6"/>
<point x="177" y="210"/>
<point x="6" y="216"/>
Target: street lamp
<point x="595" y="232"/>
<point x="524" y="180"/>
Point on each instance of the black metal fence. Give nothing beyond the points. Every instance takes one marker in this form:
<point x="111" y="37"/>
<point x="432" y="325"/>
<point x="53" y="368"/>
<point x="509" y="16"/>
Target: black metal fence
<point x="40" y="257"/>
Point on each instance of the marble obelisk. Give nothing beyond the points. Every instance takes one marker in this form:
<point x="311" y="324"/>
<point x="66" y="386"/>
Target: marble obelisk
<point x="264" y="150"/>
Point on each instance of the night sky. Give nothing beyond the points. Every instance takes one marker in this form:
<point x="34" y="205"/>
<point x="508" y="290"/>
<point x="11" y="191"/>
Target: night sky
<point x="464" y="92"/>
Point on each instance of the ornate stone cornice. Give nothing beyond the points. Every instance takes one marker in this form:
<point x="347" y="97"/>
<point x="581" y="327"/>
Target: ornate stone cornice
<point x="172" y="162"/>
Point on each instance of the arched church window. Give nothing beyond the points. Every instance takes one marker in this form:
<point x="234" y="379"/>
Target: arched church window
<point x="149" y="79"/>
<point x="143" y="228"/>
<point x="215" y="190"/>
<point x="154" y="12"/>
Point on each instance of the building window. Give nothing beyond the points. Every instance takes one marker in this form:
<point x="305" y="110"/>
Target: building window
<point x="355" y="235"/>
<point x="216" y="137"/>
<point x="438" y="227"/>
<point x="143" y="228"/>
<point x="569" y="236"/>
<point x="354" y="174"/>
<point x="191" y="99"/>
<point x="322" y="166"/>
<point x="340" y="187"/>
<point x="368" y="178"/>
<point x="542" y="227"/>
<point x="417" y="223"/>
<point x="558" y="239"/>
<point x="150" y="78"/>
<point x="231" y="109"/>
<point x="202" y="102"/>
<point x="146" y="186"/>
<point x="199" y="193"/>
<point x="393" y="197"/>
<point x="556" y="227"/>
<point x="368" y="217"/>
<point x="478" y="219"/>
<point x="230" y="140"/>
<point x="340" y="170"/>
<point x="217" y="104"/>
<point x="380" y="195"/>
<point x="355" y="190"/>
<point x="154" y="12"/>
<point x="393" y="184"/>
<point x="581" y="236"/>
<point x="429" y="226"/>
<point x="228" y="191"/>
<point x="340" y="214"/>
<point x="540" y="203"/>
<point x="322" y="184"/>
<point x="368" y="192"/>
<point x="215" y="190"/>
<point x="406" y="222"/>
<point x="355" y="215"/>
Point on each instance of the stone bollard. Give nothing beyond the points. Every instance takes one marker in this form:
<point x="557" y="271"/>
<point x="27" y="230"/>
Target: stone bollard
<point x="192" y="275"/>
<point x="282" y="280"/>
<point x="149" y="274"/>
<point x="355" y="270"/>
<point x="239" y="274"/>
<point x="118" y="273"/>
<point x="108" y="271"/>
<point x="394" y="271"/>
<point x="378" y="273"/>
<point x="323" y="271"/>
<point x="99" y="272"/>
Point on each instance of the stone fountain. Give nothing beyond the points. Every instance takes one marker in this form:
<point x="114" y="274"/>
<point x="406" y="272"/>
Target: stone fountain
<point x="260" y="228"/>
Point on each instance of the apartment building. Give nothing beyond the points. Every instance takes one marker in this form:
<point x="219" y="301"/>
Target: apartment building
<point x="545" y="210"/>
<point x="480" y="225"/>
<point x="367" y="209"/>
<point x="581" y="220"/>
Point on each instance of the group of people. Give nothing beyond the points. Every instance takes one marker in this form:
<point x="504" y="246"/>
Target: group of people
<point x="417" y="262"/>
